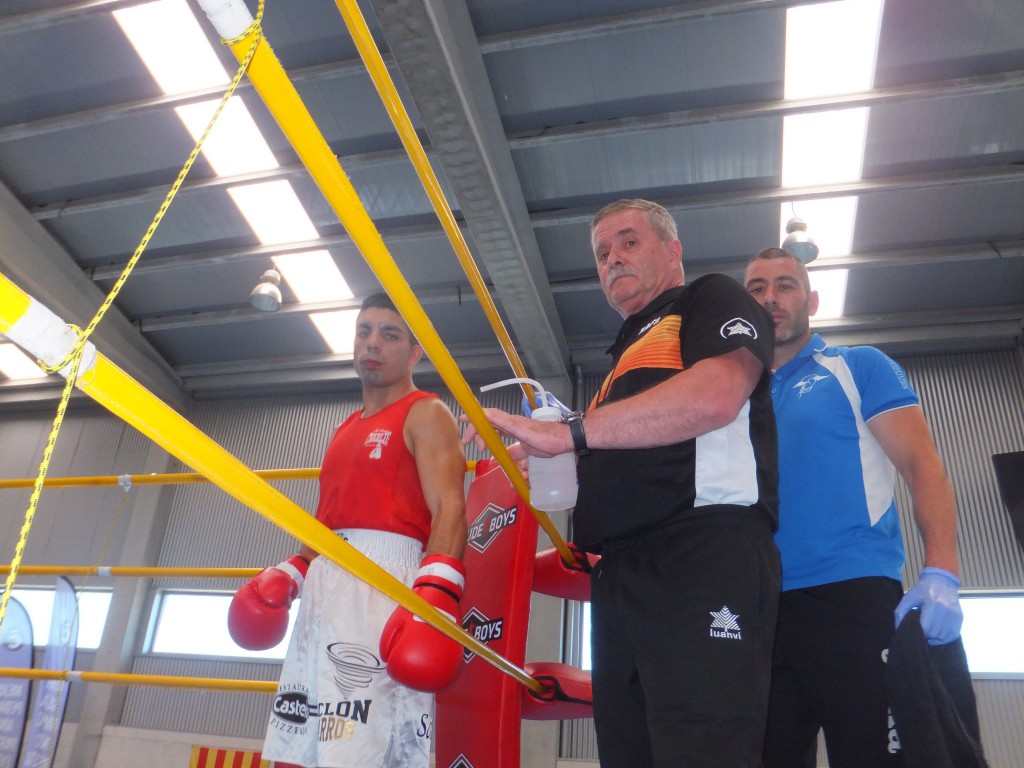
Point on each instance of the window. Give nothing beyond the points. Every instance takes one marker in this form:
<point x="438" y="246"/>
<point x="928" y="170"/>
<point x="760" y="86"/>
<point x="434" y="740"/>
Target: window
<point x="196" y="623"/>
<point x="993" y="633"/>
<point x="93" y="605"/>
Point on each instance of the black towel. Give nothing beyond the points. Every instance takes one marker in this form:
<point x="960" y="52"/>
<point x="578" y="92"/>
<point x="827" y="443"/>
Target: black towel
<point x="932" y="701"/>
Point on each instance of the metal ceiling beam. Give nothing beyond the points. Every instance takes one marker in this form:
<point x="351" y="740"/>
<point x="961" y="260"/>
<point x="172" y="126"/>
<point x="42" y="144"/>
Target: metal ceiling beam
<point x="637" y="21"/>
<point x="24" y="22"/>
<point x="153" y="263"/>
<point x="436" y="50"/>
<point x="983" y="175"/>
<point x="942" y="89"/>
<point x="40" y="266"/>
<point x="526" y="38"/>
<point x="694" y="269"/>
<point x="157" y="193"/>
<point x="996" y="174"/>
<point x="965" y="86"/>
<point x="110" y="112"/>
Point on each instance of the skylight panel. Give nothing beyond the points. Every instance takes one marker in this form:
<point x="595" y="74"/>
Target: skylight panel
<point x="169" y="40"/>
<point x="235" y="145"/>
<point x="313" y="276"/>
<point x="15" y="364"/>
<point x="338" y="329"/>
<point x="831" y="47"/>
<point x="274" y="212"/>
<point x="823" y="147"/>
<point x="831" y="287"/>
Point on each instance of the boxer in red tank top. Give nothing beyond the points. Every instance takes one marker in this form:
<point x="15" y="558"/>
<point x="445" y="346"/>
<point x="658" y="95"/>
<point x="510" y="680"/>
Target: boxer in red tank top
<point x="357" y="683"/>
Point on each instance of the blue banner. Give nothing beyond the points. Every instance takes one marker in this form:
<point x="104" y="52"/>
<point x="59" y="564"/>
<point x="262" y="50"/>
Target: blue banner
<point x="51" y="696"/>
<point x="15" y="653"/>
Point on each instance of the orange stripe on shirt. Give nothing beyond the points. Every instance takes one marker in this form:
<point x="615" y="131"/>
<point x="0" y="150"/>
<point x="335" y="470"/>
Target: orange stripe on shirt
<point x="659" y="348"/>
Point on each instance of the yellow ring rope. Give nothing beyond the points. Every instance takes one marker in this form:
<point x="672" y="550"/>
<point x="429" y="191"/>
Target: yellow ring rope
<point x="74" y="357"/>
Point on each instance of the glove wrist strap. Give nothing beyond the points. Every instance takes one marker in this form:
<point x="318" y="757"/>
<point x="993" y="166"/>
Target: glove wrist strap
<point x="296" y="567"/>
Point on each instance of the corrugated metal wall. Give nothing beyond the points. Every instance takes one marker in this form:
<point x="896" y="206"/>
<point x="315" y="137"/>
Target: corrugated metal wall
<point x="91" y="442"/>
<point x="226" y="713"/>
<point x="974" y="404"/>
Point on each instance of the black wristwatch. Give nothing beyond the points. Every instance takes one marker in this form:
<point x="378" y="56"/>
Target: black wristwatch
<point x="579" y="437"/>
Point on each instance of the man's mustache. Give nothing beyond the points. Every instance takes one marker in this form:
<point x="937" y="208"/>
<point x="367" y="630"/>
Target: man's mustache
<point x="614" y="274"/>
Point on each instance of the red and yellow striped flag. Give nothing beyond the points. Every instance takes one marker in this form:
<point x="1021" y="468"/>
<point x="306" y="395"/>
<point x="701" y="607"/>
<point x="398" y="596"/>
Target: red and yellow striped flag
<point x="213" y="757"/>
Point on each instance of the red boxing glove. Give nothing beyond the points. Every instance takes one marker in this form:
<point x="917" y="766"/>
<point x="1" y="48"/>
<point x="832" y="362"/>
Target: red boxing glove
<point x="258" y="616"/>
<point x="417" y="655"/>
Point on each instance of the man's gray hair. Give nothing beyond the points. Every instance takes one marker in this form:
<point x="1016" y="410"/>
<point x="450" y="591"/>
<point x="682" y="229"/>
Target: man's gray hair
<point x="661" y="221"/>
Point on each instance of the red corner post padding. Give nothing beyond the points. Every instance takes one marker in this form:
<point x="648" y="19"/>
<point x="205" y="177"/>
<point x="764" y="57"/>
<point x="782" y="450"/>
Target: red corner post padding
<point x="568" y="692"/>
<point x="552" y="576"/>
<point x="478" y="717"/>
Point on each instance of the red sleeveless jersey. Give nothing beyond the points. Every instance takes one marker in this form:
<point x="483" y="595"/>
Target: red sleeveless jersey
<point x="369" y="479"/>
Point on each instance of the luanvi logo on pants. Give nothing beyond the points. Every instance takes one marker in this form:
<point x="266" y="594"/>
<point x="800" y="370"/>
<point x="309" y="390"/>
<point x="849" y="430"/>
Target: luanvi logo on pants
<point x="725" y="624"/>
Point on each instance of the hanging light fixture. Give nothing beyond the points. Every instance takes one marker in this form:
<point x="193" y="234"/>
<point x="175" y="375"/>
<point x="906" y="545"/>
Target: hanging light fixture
<point x="266" y="296"/>
<point x="798" y="242"/>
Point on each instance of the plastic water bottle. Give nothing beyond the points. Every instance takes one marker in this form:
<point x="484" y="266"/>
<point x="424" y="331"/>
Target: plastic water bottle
<point x="553" y="484"/>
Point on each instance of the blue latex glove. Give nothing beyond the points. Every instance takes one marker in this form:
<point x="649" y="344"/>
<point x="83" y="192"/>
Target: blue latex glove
<point x="935" y="594"/>
<point x="551" y="401"/>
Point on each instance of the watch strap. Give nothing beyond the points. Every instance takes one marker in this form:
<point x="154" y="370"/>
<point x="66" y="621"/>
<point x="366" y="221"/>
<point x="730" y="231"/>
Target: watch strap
<point x="579" y="437"/>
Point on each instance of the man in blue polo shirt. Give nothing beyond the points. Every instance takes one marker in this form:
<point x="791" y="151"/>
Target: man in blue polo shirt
<point x="847" y="420"/>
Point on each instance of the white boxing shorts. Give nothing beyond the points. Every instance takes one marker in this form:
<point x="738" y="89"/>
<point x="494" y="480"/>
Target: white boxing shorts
<point x="336" y="706"/>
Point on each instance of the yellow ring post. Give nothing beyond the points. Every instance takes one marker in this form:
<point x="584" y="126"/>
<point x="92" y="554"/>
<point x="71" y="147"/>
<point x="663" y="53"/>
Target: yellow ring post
<point x="284" y="103"/>
<point x="123" y="396"/>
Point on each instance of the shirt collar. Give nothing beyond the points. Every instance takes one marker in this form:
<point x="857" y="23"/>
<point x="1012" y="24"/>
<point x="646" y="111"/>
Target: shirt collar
<point x="814" y="345"/>
<point x="639" y="319"/>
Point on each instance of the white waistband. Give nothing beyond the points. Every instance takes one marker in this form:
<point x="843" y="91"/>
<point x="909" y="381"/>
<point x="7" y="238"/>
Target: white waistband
<point x="383" y="546"/>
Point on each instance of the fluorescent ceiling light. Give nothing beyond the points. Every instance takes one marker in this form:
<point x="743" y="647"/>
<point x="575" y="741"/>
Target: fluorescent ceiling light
<point x="831" y="47"/>
<point x="274" y="212"/>
<point x="313" y="276"/>
<point x="337" y="328"/>
<point x="15" y="364"/>
<point x="823" y="147"/>
<point x="829" y="221"/>
<point x="831" y="287"/>
<point x="170" y="42"/>
<point x="235" y="145"/>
